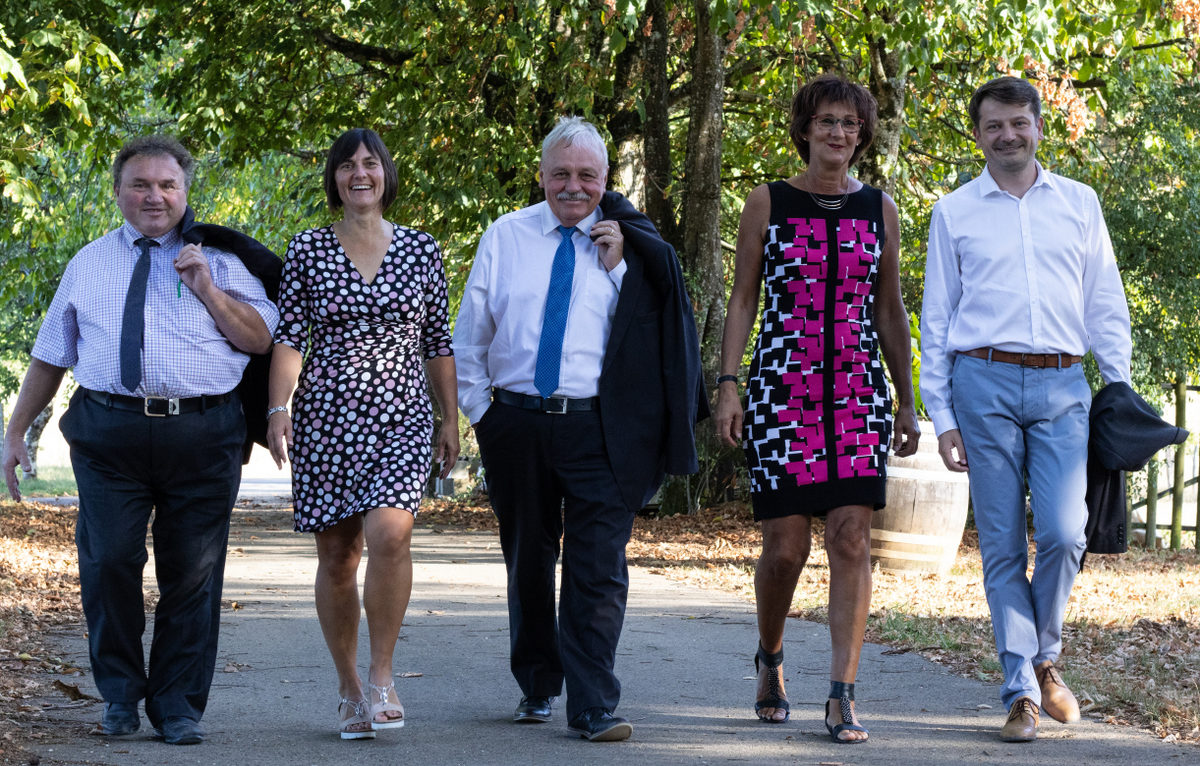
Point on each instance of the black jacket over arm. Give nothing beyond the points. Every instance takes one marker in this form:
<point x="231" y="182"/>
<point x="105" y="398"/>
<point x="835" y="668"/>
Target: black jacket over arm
<point x="1124" y="433"/>
<point x="651" y="385"/>
<point x="267" y="267"/>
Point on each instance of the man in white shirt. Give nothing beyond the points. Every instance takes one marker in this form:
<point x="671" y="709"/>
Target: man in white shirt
<point x="578" y="366"/>
<point x="1020" y="283"/>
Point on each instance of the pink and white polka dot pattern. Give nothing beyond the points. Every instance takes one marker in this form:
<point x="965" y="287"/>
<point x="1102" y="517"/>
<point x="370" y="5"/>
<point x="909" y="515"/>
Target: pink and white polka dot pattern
<point x="362" y="417"/>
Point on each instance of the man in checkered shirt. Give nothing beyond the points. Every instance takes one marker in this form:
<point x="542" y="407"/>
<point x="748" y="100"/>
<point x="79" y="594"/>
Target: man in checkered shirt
<point x="158" y="332"/>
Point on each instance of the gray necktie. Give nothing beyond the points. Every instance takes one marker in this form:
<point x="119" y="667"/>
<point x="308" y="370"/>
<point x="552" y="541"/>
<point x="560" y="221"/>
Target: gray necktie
<point x="133" y="321"/>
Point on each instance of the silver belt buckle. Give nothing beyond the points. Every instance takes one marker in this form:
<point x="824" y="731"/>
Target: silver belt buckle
<point x="172" y="406"/>
<point x="560" y="407"/>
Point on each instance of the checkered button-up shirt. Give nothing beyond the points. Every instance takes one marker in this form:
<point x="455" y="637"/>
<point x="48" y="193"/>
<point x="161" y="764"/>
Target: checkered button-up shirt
<point x="183" y="351"/>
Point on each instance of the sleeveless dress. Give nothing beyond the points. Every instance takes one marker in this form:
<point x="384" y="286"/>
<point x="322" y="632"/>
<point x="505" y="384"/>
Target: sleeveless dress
<point x="362" y="419"/>
<point x="819" y="412"/>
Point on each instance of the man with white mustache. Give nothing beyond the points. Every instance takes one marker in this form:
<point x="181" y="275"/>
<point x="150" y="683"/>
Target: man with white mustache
<point x="578" y="366"/>
<point x="1020" y="283"/>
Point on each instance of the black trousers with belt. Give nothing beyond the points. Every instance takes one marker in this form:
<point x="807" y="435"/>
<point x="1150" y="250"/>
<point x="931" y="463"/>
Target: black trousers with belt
<point x="548" y="476"/>
<point x="186" y="469"/>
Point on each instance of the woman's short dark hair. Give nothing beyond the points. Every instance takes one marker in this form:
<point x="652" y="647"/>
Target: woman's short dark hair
<point x="1006" y="90"/>
<point x="154" y="146"/>
<point x="343" y="149"/>
<point x="832" y="88"/>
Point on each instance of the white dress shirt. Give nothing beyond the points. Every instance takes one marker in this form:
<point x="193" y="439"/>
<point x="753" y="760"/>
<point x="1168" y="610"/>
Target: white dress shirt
<point x="1034" y="274"/>
<point x="499" y="323"/>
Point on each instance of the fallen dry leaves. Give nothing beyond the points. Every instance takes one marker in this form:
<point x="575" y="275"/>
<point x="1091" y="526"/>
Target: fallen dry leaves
<point x="1131" y="642"/>
<point x="39" y="591"/>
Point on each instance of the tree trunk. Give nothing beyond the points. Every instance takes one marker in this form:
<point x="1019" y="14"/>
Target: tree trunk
<point x="656" y="135"/>
<point x="701" y="256"/>
<point x="34" y="436"/>
<point x="703" y="262"/>
<point x="878" y="166"/>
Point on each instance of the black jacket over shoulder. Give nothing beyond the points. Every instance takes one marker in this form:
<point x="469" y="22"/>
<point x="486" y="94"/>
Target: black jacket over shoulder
<point x="267" y="267"/>
<point x="1124" y="434"/>
<point x="651" y="385"/>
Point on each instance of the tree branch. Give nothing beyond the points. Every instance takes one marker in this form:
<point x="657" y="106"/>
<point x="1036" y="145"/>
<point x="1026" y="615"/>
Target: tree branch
<point x="361" y="53"/>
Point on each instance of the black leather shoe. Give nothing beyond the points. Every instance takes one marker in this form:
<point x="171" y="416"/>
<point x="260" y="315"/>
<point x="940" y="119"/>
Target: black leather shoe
<point x="596" y="724"/>
<point x="533" y="710"/>
<point x="181" y="731"/>
<point x="120" y="718"/>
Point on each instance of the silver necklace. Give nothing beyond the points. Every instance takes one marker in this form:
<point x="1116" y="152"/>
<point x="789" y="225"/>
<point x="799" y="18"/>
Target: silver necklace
<point x="826" y="203"/>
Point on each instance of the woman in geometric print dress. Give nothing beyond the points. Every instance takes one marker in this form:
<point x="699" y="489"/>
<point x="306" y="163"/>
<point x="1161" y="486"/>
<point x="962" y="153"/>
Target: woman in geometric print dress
<point x="818" y="414"/>
<point x="363" y="320"/>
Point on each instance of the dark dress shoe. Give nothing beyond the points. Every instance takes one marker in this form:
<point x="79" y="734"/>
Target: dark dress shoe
<point x="120" y="718"/>
<point x="533" y="710"/>
<point x="181" y="731"/>
<point x="596" y="724"/>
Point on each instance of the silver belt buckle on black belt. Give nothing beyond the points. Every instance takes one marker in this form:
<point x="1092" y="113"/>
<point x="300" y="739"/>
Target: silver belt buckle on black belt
<point x="171" y="406"/>
<point x="554" y="406"/>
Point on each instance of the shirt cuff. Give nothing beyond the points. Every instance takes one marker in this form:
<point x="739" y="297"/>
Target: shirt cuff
<point x="476" y="411"/>
<point x="617" y="275"/>
<point x="943" y="421"/>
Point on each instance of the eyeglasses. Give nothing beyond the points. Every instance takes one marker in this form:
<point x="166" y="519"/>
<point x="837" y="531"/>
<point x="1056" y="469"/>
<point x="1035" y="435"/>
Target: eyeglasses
<point x="827" y="124"/>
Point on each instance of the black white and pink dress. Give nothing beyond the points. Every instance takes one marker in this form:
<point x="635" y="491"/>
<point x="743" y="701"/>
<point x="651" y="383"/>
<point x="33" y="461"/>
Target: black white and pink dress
<point x="819" y="413"/>
<point x="362" y="418"/>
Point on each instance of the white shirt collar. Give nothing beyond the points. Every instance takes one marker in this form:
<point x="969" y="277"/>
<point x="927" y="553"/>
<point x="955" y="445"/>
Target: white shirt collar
<point x="550" y="222"/>
<point x="988" y="185"/>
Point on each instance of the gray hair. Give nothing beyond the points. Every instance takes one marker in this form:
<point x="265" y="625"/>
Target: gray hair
<point x="576" y="130"/>
<point x="154" y="146"/>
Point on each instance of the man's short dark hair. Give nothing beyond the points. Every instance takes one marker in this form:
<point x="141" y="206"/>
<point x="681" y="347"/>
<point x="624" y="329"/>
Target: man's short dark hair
<point x="836" y="89"/>
<point x="1006" y="90"/>
<point x="343" y="149"/>
<point x="151" y="146"/>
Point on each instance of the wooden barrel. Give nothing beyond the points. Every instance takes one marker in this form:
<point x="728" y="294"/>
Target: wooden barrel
<point x="922" y="526"/>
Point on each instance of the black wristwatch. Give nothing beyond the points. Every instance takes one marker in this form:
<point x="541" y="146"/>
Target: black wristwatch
<point x="723" y="378"/>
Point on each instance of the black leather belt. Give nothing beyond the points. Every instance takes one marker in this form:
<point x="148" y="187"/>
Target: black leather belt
<point x="554" y="405"/>
<point x="157" y="406"/>
<point x="1060" y="361"/>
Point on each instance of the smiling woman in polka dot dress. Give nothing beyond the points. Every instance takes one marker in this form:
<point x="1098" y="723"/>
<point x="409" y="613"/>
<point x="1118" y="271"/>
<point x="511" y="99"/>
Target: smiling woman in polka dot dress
<point x="363" y="321"/>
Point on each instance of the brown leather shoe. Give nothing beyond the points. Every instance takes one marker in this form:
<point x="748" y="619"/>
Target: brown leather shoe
<point x="1022" y="723"/>
<point x="1057" y="700"/>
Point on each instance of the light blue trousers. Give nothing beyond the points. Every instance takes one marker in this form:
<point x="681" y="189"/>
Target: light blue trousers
<point x="1018" y="425"/>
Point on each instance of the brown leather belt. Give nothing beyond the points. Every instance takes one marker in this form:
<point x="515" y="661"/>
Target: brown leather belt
<point x="1025" y="360"/>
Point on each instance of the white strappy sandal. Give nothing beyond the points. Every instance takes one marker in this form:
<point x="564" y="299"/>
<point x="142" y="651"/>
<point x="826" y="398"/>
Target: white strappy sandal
<point x="381" y="704"/>
<point x="350" y="726"/>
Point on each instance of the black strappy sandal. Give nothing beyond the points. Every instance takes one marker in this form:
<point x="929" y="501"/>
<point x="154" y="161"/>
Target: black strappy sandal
<point x="843" y="693"/>
<point x="774" y="698"/>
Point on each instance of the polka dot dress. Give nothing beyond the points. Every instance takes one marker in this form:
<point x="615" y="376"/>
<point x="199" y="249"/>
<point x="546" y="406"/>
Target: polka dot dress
<point x="362" y="419"/>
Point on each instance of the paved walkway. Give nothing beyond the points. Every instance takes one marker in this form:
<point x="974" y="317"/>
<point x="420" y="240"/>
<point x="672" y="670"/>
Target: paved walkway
<point x="684" y="659"/>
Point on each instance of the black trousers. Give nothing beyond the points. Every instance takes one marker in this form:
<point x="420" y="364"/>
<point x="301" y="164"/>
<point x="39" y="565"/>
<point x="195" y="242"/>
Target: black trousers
<point x="548" y="477"/>
<point x="186" y="468"/>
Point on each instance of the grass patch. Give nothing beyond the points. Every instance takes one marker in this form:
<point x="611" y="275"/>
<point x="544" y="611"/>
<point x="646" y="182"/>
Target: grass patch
<point x="52" y="481"/>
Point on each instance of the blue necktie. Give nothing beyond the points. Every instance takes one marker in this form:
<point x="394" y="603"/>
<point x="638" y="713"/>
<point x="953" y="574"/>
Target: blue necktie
<point x="554" y="321"/>
<point x="133" y="321"/>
